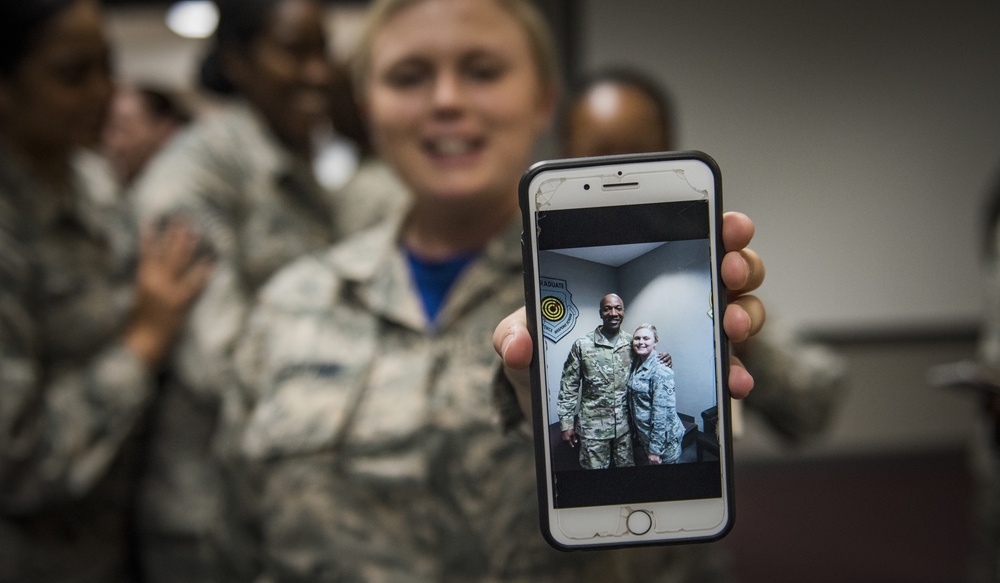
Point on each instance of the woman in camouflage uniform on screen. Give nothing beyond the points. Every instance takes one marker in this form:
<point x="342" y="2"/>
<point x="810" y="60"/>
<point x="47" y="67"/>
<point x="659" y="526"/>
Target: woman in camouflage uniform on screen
<point x="652" y="400"/>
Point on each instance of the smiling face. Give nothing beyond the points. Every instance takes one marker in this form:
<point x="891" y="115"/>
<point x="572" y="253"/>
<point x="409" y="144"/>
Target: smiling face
<point x="612" y="314"/>
<point x="57" y="98"/>
<point x="286" y="73"/>
<point x="644" y="342"/>
<point x="456" y="101"/>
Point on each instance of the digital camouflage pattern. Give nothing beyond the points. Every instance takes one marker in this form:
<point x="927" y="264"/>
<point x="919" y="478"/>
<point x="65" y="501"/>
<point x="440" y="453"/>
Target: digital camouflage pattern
<point x="71" y="394"/>
<point x="258" y="207"/>
<point x="653" y="404"/>
<point x="593" y="395"/>
<point x="371" y="449"/>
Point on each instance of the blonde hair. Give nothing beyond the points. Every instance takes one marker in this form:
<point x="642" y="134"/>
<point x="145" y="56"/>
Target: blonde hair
<point x="656" y="335"/>
<point x="527" y="15"/>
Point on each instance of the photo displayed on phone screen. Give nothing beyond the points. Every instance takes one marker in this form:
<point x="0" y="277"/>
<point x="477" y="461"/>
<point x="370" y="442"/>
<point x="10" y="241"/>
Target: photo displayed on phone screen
<point x="627" y="308"/>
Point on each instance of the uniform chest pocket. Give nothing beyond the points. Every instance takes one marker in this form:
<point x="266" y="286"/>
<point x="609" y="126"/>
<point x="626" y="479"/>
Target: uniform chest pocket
<point x="602" y="364"/>
<point x="308" y="411"/>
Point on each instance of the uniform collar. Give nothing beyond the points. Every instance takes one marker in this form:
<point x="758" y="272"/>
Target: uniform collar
<point x="602" y="340"/>
<point x="271" y="154"/>
<point x="290" y="173"/>
<point x="374" y="265"/>
<point x="81" y="204"/>
<point x="650" y="361"/>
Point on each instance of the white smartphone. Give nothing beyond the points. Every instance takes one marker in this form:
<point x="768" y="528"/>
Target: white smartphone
<point x="629" y="376"/>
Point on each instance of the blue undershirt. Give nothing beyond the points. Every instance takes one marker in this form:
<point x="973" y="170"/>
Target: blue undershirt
<point x="435" y="278"/>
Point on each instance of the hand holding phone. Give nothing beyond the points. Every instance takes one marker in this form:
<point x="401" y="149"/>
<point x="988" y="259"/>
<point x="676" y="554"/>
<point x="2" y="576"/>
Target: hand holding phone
<point x="622" y="258"/>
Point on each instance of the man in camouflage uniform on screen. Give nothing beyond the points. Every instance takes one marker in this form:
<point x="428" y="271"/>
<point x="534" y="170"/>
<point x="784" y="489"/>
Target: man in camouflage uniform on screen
<point x="594" y="388"/>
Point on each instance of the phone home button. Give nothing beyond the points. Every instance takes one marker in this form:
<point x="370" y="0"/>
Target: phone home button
<point x="639" y="522"/>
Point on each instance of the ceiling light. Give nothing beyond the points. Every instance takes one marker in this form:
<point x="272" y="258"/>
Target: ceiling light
<point x="193" y="18"/>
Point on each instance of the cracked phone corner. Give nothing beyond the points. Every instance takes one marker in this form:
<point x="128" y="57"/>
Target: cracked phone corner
<point x="546" y="190"/>
<point x="681" y="175"/>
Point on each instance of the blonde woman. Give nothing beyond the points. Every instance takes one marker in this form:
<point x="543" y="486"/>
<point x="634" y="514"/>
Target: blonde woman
<point x="370" y="449"/>
<point x="652" y="401"/>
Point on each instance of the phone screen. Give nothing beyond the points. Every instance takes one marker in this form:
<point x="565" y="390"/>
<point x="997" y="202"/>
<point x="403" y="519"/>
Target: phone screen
<point x="625" y="293"/>
<point x="657" y="259"/>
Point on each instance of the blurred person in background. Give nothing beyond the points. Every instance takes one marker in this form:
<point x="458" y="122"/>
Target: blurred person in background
<point x="348" y="166"/>
<point x="141" y="121"/>
<point x="244" y="175"/>
<point x="985" y="458"/>
<point x="371" y="448"/>
<point x="616" y="111"/>
<point x="622" y="111"/>
<point x="86" y="321"/>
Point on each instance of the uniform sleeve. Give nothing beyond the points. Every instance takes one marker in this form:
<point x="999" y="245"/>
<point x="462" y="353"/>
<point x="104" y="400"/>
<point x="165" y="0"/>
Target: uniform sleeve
<point x="797" y="384"/>
<point x="203" y="356"/>
<point x="196" y="181"/>
<point x="59" y="429"/>
<point x="664" y="408"/>
<point x="569" y="388"/>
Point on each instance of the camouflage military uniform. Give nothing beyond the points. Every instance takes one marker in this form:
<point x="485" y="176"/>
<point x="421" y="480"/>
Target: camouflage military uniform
<point x="797" y="384"/>
<point x="372" y="450"/>
<point x="593" y="389"/>
<point x="71" y="394"/>
<point x="654" y="409"/>
<point x="258" y="208"/>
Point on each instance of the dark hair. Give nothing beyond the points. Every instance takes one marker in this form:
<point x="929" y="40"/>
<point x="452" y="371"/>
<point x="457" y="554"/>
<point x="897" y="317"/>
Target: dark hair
<point x="622" y="76"/>
<point x="20" y="23"/>
<point x="164" y="104"/>
<point x="241" y="22"/>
